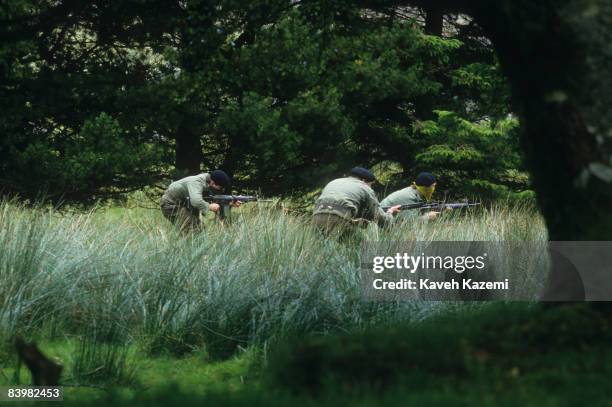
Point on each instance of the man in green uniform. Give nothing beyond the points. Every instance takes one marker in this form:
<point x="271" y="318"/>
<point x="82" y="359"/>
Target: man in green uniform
<point x="346" y="201"/>
<point x="420" y="191"/>
<point x="183" y="201"/>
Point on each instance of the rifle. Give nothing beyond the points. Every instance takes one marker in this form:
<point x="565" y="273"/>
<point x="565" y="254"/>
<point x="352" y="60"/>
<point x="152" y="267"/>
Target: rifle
<point x="440" y="206"/>
<point x="434" y="206"/>
<point x="406" y="206"/>
<point x="224" y="202"/>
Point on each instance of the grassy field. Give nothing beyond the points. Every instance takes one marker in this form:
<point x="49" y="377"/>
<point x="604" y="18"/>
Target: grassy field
<point x="497" y="354"/>
<point x="124" y="301"/>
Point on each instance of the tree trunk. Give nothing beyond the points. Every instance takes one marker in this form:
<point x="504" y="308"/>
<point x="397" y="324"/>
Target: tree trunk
<point x="434" y="19"/>
<point x="549" y="57"/>
<point x="188" y="149"/>
<point x="434" y="22"/>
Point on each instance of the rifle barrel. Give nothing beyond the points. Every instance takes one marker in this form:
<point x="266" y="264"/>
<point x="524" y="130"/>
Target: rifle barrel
<point x="434" y="205"/>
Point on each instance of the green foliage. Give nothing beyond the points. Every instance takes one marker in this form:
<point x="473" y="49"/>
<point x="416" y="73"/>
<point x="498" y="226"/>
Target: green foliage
<point x="60" y="74"/>
<point x="495" y="354"/>
<point x="267" y="139"/>
<point x="505" y="344"/>
<point x="472" y="158"/>
<point x="484" y="89"/>
<point x="283" y="96"/>
<point x="76" y="165"/>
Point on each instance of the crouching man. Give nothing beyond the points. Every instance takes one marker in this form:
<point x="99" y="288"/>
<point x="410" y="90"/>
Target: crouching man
<point x="183" y="201"/>
<point x="345" y="201"/>
<point x="420" y="192"/>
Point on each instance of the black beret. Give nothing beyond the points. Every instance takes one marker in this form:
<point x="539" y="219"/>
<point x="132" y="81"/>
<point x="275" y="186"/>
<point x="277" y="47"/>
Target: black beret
<point x="220" y="178"/>
<point x="425" y="179"/>
<point x="363" y="173"/>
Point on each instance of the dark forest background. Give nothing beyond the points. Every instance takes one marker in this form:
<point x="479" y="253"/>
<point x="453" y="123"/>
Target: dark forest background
<point x="100" y="98"/>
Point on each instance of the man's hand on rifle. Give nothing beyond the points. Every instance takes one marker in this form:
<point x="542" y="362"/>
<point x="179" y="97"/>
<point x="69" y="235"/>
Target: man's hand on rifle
<point x="214" y="207"/>
<point x="235" y="204"/>
<point x="394" y="209"/>
<point x="431" y="215"/>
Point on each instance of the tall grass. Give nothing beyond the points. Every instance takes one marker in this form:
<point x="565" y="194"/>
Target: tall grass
<point x="103" y="357"/>
<point x="266" y="276"/>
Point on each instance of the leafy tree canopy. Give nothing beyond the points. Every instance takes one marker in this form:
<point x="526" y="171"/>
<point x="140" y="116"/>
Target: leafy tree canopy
<point x="101" y="97"/>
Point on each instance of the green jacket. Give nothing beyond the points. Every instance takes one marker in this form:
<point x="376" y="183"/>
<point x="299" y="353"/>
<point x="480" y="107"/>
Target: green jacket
<point x="404" y="196"/>
<point x="351" y="198"/>
<point x="194" y="187"/>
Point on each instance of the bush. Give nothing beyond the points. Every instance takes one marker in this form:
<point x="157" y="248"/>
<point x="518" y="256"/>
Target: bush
<point x="491" y="343"/>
